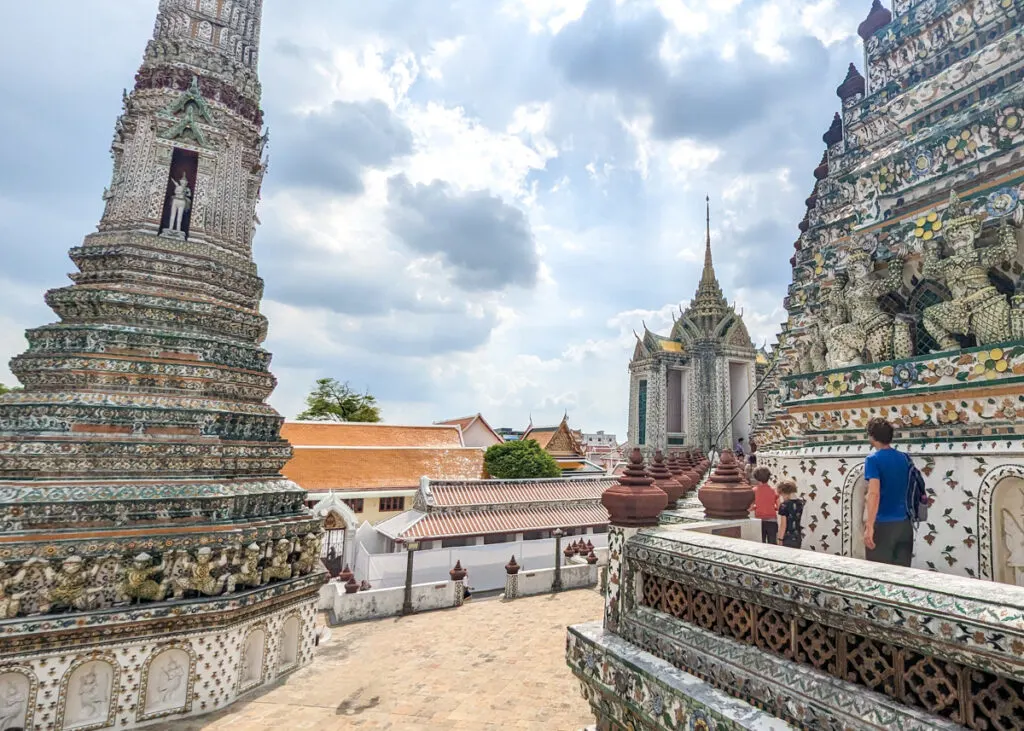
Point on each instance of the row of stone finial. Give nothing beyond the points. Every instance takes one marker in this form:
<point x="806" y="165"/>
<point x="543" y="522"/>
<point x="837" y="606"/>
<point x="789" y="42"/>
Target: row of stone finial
<point x="642" y="493"/>
<point x="348" y="578"/>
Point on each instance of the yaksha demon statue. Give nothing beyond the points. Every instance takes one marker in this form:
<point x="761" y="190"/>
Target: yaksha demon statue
<point x="977" y="307"/>
<point x="870" y="331"/>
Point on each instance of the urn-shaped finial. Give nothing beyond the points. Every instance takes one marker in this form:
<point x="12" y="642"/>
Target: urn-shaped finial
<point x="634" y="502"/>
<point x="663" y="478"/>
<point x="878" y="18"/>
<point x="512" y="568"/>
<point x="458" y="573"/>
<point x="725" y="496"/>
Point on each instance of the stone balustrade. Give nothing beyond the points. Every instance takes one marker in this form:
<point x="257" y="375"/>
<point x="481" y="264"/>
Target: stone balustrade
<point x="812" y="640"/>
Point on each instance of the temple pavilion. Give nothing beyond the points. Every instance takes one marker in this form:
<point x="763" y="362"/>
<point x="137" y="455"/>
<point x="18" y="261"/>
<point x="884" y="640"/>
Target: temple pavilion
<point x="685" y="388"/>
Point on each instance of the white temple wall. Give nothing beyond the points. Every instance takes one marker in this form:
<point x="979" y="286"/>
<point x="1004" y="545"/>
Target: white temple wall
<point x="131" y="683"/>
<point x="975" y="525"/>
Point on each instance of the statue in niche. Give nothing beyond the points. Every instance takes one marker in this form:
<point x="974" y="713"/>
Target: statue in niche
<point x="10" y="601"/>
<point x="181" y="203"/>
<point x="870" y="331"/>
<point x="1013" y="539"/>
<point x="13" y="704"/>
<point x="139" y="585"/>
<point x="92" y="695"/>
<point x="977" y="307"/>
<point x="170" y="681"/>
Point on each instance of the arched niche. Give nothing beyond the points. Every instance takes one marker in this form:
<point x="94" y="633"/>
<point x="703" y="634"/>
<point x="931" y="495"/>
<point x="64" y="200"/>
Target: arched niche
<point x="855" y="490"/>
<point x="250" y="664"/>
<point x="288" y="648"/>
<point x="87" y="694"/>
<point x="167" y="682"/>
<point x="18" y="688"/>
<point x="1001" y="525"/>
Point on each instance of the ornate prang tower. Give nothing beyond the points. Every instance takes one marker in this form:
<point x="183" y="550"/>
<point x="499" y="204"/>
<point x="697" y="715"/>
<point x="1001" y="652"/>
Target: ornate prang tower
<point x="685" y="388"/>
<point x="155" y="563"/>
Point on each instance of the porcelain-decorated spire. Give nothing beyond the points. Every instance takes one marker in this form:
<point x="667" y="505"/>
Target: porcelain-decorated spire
<point x="709" y="292"/>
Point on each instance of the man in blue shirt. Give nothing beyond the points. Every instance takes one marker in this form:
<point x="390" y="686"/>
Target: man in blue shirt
<point x="888" y="532"/>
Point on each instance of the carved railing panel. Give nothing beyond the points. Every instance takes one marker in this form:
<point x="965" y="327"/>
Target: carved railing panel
<point x="950" y="647"/>
<point x="936" y="686"/>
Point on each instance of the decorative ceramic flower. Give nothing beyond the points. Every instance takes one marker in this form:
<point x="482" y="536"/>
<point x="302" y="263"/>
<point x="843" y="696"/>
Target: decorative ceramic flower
<point x="921" y="163"/>
<point x="884" y="178"/>
<point x="961" y="145"/>
<point x="946" y="369"/>
<point x="836" y="385"/>
<point x="1002" y="202"/>
<point x="927" y="226"/>
<point x="904" y="376"/>
<point x="991" y="363"/>
<point x="1011" y="117"/>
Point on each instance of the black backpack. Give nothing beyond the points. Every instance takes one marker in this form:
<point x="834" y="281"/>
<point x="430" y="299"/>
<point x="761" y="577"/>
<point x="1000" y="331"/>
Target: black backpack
<point x="917" y="495"/>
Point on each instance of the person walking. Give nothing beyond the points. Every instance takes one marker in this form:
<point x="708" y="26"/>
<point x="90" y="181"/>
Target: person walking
<point x="790" y="512"/>
<point x="888" y="529"/>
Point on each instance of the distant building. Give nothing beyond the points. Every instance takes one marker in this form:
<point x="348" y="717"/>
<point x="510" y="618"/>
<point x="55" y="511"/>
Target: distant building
<point x="566" y="446"/>
<point x="476" y="432"/>
<point x="510" y="435"/>
<point x="457" y="513"/>
<point x="375" y="468"/>
<point x="602" y="449"/>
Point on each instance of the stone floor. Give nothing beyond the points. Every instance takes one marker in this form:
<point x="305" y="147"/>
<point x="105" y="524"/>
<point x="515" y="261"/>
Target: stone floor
<point x="486" y="666"/>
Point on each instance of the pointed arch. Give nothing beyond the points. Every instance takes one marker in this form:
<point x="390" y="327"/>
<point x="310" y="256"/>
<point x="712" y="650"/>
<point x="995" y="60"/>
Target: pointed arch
<point x="852" y="524"/>
<point x="986" y="517"/>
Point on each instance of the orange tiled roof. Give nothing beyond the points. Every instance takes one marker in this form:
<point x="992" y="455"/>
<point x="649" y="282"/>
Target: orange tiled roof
<point x="494" y="492"/>
<point x="514" y="520"/>
<point x="542" y="435"/>
<point x="334" y="434"/>
<point x="354" y="468"/>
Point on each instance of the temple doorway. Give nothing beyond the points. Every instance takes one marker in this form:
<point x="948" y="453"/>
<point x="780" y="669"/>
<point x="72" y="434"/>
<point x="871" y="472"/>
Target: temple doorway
<point x="339" y="531"/>
<point x="1008" y="531"/>
<point x="739" y="392"/>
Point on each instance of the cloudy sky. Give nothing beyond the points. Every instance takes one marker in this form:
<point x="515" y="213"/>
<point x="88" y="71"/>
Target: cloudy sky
<point x="471" y="204"/>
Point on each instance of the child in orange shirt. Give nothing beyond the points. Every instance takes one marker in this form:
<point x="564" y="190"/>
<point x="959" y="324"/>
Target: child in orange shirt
<point x="766" y="506"/>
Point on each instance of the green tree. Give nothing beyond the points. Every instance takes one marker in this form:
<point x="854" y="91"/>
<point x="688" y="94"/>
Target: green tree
<point x="334" y="401"/>
<point x="521" y="459"/>
<point x="4" y="389"/>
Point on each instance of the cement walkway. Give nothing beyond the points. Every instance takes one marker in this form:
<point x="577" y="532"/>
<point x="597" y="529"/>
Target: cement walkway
<point x="487" y="666"/>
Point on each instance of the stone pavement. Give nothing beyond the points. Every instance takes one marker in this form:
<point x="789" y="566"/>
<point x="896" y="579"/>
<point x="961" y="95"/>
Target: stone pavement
<point x="486" y="666"/>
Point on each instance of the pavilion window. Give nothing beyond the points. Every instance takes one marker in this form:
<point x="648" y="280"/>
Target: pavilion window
<point x="498" y="538"/>
<point x="536" y="535"/>
<point x="455" y="542"/>
<point x="392" y="504"/>
<point x="600" y="529"/>
<point x="356" y="503"/>
<point x="641" y="408"/>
